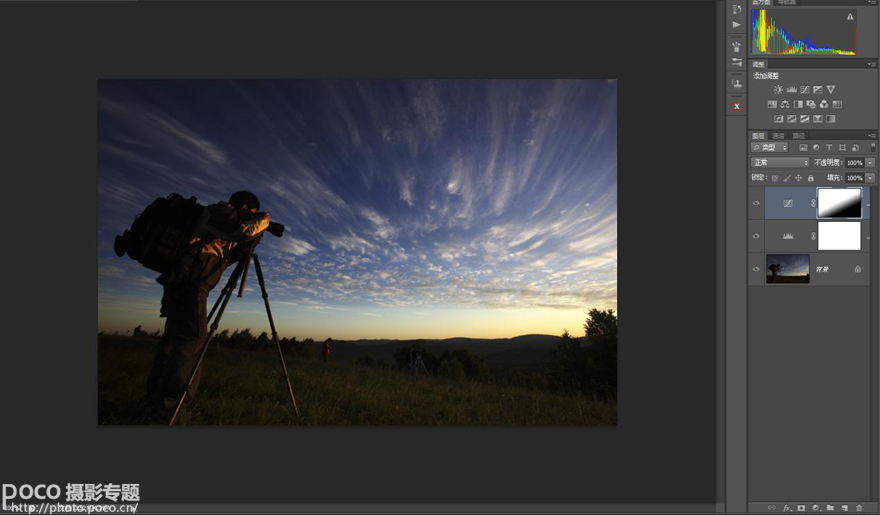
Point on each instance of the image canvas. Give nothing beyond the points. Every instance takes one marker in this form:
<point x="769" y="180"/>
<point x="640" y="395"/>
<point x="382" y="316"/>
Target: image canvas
<point x="357" y="251"/>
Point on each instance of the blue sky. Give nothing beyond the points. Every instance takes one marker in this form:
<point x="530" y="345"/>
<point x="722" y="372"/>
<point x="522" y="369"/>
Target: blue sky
<point x="414" y="209"/>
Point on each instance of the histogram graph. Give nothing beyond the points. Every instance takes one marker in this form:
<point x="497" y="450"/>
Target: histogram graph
<point x="804" y="32"/>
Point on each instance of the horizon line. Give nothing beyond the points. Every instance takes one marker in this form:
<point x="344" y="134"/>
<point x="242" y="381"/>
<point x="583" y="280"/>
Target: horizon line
<point x="280" y="337"/>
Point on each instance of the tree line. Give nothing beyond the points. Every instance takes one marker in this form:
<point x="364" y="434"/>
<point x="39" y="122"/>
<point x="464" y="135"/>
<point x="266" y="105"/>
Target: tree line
<point x="245" y="340"/>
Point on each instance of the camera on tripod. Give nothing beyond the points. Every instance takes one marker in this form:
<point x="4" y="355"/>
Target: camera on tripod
<point x="246" y="256"/>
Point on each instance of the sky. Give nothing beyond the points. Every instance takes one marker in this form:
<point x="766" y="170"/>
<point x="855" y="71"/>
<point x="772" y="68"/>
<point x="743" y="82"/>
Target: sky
<point x="414" y="208"/>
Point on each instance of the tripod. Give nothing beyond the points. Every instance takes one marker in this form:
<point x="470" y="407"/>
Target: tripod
<point x="240" y="270"/>
<point x="419" y="366"/>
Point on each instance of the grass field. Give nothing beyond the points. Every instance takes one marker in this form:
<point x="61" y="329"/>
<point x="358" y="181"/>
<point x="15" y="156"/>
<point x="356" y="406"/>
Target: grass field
<point x="242" y="387"/>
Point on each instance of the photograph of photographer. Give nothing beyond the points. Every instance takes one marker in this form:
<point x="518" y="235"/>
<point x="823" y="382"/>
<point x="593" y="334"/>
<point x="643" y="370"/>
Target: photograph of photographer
<point x="440" y="252"/>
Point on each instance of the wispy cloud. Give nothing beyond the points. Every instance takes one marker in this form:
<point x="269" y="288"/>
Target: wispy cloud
<point x="350" y="242"/>
<point x="382" y="228"/>
<point x="297" y="246"/>
<point x="165" y="131"/>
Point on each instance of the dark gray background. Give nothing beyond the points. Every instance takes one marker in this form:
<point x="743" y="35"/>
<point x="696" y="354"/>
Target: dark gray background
<point x="663" y="449"/>
<point x="809" y="394"/>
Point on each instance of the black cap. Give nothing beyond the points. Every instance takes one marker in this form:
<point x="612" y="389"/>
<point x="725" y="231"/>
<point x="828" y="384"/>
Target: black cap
<point x="242" y="198"/>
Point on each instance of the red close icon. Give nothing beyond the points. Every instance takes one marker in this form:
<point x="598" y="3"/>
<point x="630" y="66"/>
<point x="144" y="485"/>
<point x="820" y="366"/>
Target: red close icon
<point x="736" y="106"/>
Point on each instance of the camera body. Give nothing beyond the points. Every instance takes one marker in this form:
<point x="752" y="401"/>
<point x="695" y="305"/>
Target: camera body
<point x="275" y="229"/>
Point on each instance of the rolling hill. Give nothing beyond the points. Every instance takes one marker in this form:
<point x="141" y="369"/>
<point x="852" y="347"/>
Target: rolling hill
<point x="526" y="352"/>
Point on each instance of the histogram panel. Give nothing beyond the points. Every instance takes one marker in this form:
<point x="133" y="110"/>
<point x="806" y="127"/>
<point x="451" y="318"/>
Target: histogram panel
<point x="804" y="32"/>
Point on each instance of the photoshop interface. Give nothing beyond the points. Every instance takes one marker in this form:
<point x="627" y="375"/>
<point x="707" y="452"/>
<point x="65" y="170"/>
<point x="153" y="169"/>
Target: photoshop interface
<point x="448" y="176"/>
<point x="802" y="123"/>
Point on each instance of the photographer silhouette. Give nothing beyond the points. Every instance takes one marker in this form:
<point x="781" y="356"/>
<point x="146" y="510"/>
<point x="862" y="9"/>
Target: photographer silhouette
<point x="186" y="288"/>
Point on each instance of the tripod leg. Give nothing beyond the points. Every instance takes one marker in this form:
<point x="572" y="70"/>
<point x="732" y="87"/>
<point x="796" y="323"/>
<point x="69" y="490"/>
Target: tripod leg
<point x="244" y="275"/>
<point x="224" y="297"/>
<point x="228" y="286"/>
<point x="259" y="270"/>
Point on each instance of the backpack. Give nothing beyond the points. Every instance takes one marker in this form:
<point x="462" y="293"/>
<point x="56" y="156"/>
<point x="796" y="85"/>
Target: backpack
<point x="159" y="234"/>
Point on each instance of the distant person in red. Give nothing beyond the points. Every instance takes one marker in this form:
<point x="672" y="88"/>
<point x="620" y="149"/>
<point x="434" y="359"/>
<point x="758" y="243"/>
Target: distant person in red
<point x="325" y="352"/>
